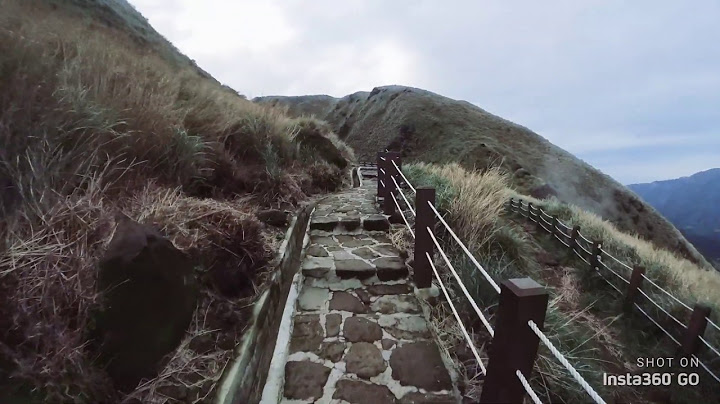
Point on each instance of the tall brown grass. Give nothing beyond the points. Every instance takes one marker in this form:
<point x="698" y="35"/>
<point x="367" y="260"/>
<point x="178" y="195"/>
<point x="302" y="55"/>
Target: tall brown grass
<point x="91" y="123"/>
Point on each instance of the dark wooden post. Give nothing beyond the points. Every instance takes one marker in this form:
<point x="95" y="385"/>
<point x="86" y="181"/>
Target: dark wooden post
<point x="636" y="279"/>
<point x="515" y="345"/>
<point x="554" y="225"/>
<point x="573" y="237"/>
<point x="424" y="220"/>
<point x="595" y="252"/>
<point x="380" y="175"/>
<point x="390" y="188"/>
<point x="696" y="328"/>
<point x="511" y="205"/>
<point x="538" y="219"/>
<point x="530" y="208"/>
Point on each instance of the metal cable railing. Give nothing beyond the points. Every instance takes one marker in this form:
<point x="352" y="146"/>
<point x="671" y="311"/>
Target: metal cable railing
<point x="649" y="317"/>
<point x="613" y="272"/>
<point x="465" y="250"/>
<point x="666" y="292"/>
<point x="616" y="260"/>
<point x="462" y="285"/>
<point x="561" y="358"/>
<point x="469" y="340"/>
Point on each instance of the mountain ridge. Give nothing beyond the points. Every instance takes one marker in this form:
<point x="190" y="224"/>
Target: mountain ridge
<point x="425" y="126"/>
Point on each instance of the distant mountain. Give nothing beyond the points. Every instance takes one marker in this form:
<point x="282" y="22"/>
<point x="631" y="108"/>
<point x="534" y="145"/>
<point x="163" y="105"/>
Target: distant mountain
<point x="428" y="127"/>
<point x="692" y="204"/>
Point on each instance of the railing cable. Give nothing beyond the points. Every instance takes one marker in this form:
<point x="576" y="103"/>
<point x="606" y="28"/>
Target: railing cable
<point x="561" y="358"/>
<point x="616" y="260"/>
<point x="613" y="272"/>
<point x="465" y="249"/>
<point x="462" y="286"/>
<point x="403" y="215"/>
<point x="662" y="309"/>
<point x="649" y="317"/>
<point x="404" y="177"/>
<point x="527" y="387"/>
<point x="469" y="340"/>
<point x="666" y="292"/>
<point x="404" y="198"/>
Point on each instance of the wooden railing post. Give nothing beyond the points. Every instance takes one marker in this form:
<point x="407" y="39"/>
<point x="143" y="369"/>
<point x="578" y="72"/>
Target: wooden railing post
<point x="573" y="237"/>
<point x="538" y="219"/>
<point x="380" y="175"/>
<point x="529" y="215"/>
<point x="633" y="289"/>
<point x="424" y="220"/>
<point x="511" y="205"/>
<point x="515" y="345"/>
<point x="595" y="255"/>
<point x="390" y="188"/>
<point x="696" y="328"/>
<point x="554" y="225"/>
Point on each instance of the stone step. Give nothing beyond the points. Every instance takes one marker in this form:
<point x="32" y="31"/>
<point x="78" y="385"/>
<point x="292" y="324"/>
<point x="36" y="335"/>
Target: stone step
<point x="332" y="222"/>
<point x="384" y="268"/>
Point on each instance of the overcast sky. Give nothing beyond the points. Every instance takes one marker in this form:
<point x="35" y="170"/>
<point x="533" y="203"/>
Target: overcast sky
<point x="631" y="87"/>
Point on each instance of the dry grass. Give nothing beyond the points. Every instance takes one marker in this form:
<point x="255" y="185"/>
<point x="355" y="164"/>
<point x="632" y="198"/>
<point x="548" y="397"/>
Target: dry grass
<point x="92" y="124"/>
<point x="679" y="276"/>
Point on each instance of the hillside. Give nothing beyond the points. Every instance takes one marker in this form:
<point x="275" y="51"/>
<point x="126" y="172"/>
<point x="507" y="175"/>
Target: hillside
<point x="141" y="206"/>
<point x="691" y="204"/>
<point x="429" y="127"/>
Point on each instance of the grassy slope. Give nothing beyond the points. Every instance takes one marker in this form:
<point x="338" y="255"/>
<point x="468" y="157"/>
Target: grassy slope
<point x="100" y="115"/>
<point x="584" y="320"/>
<point x="431" y="128"/>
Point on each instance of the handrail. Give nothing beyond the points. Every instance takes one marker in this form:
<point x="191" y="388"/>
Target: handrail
<point x="469" y="340"/>
<point x="462" y="285"/>
<point x="404" y="198"/>
<point x="465" y="249"/>
<point x="403" y="176"/>
<point x="403" y="215"/>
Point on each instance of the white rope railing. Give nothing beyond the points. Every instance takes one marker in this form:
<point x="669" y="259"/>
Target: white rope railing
<point x="404" y="198"/>
<point x="382" y="183"/>
<point x="602" y="264"/>
<point x="666" y="292"/>
<point x="465" y="249"/>
<point x="528" y="389"/>
<point x="561" y="358"/>
<point x="404" y="177"/>
<point x="403" y="215"/>
<point x="661" y="309"/>
<point x="469" y="340"/>
<point x="616" y="260"/>
<point x="462" y="285"/>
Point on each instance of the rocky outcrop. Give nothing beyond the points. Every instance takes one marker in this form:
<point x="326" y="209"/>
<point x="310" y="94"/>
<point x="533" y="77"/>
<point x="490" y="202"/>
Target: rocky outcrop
<point x="149" y="294"/>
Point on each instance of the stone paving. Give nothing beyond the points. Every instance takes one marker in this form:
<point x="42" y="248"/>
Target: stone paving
<point x="359" y="333"/>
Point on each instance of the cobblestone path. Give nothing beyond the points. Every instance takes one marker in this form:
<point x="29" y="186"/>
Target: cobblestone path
<point x="359" y="333"/>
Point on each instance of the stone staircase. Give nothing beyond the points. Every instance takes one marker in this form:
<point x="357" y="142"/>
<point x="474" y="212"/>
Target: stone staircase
<point x="359" y="334"/>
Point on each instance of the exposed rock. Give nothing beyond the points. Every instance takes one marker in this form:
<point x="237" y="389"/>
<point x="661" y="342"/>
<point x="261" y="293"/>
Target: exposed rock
<point x="365" y="253"/>
<point x="317" y="251"/>
<point x="408" y="328"/>
<point x="350" y="223"/>
<point x="419" y="364"/>
<point x="387" y="249"/>
<point x="273" y="217"/>
<point x="359" y="329"/>
<point x="344" y="301"/>
<point x="354" y="269"/>
<point x="357" y="392"/>
<point x="382" y="239"/>
<point x="332" y="351"/>
<point x="365" y="360"/>
<point x="363" y="295"/>
<point x="419" y="398"/>
<point x="398" y="289"/>
<point x="307" y="333"/>
<point x="354" y="241"/>
<point x="326" y="223"/>
<point x="325" y="241"/>
<point x="150" y="293"/>
<point x="332" y="324"/>
<point x="388" y="343"/>
<point x="313" y="298"/>
<point x="316" y="267"/>
<point x="305" y="380"/>
<point x="376" y="223"/>
<point x="396" y="304"/>
<point x="390" y="268"/>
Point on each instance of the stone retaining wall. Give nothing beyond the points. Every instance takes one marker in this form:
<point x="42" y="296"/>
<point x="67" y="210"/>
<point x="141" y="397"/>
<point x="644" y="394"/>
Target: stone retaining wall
<point x="243" y="382"/>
